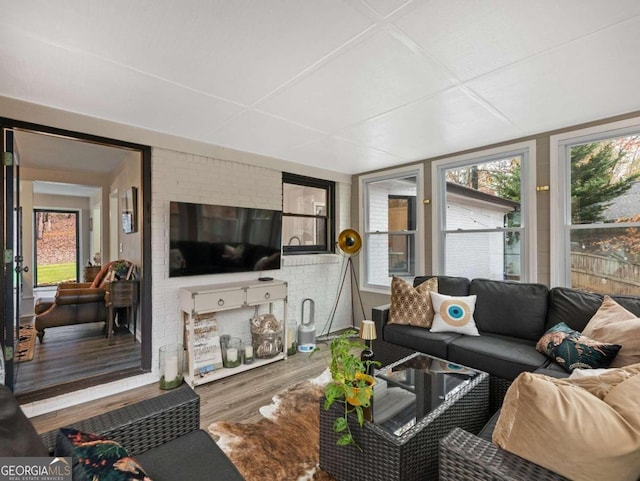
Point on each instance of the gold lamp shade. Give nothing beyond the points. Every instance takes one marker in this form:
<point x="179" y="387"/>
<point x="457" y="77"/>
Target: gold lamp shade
<point x="367" y="330"/>
<point x="349" y="241"/>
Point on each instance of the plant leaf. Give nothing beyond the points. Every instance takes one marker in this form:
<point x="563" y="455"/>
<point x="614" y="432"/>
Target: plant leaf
<point x="345" y="440"/>
<point x="340" y="424"/>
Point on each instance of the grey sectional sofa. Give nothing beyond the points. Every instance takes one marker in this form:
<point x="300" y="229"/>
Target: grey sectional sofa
<point x="510" y="316"/>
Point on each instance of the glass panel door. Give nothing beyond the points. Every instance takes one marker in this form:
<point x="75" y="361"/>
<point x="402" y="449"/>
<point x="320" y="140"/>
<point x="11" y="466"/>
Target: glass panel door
<point x="12" y="256"/>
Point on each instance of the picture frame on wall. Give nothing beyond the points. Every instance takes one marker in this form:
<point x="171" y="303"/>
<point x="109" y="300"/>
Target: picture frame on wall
<point x="129" y="210"/>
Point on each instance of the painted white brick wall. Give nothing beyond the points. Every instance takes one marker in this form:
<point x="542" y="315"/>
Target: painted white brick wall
<point x="191" y="178"/>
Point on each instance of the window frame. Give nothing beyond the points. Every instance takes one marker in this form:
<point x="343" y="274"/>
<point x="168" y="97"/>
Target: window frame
<point x="416" y="170"/>
<point x="560" y="192"/>
<point x="528" y="223"/>
<point x="330" y="187"/>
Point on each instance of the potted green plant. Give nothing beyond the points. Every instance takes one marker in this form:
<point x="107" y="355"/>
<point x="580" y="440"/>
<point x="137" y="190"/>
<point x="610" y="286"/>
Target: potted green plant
<point x="350" y="384"/>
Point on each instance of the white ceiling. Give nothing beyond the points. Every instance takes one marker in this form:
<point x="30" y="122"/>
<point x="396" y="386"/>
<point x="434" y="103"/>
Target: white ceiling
<point x="347" y="85"/>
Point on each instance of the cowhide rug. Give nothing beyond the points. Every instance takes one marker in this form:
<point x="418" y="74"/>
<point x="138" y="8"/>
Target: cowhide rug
<point x="284" y="446"/>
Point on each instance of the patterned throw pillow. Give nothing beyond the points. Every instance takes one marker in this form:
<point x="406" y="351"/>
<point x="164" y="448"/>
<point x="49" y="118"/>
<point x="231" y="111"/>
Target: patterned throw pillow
<point x="454" y="314"/>
<point x="573" y="350"/>
<point x="411" y="305"/>
<point x="614" y="324"/>
<point x="96" y="458"/>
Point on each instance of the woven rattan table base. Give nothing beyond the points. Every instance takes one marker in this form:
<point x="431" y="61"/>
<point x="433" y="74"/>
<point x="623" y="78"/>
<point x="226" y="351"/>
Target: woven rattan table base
<point x="410" y="457"/>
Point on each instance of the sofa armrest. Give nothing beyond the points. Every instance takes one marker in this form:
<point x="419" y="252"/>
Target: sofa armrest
<point x="145" y="424"/>
<point x="73" y="285"/>
<point x="80" y="296"/>
<point x="464" y="456"/>
<point x="380" y="315"/>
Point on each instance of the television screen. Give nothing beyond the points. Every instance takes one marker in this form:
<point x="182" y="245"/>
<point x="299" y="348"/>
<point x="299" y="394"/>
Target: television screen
<point x="220" y="239"/>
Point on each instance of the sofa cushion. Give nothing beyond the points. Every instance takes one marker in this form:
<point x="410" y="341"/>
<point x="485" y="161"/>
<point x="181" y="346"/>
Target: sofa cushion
<point x="572" y="350"/>
<point x="553" y="369"/>
<point x="454" y="314"/>
<point x="500" y="356"/>
<point x="559" y="426"/>
<point x="18" y="437"/>
<point x="499" y="308"/>
<point x="194" y="457"/>
<point x="450" y="285"/>
<point x="615" y="324"/>
<point x="419" y="339"/>
<point x="601" y="384"/>
<point x="576" y="308"/>
<point x="411" y="305"/>
<point x="96" y="458"/>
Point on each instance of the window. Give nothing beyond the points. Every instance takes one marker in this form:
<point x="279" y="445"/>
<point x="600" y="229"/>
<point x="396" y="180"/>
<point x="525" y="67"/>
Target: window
<point x="482" y="208"/>
<point x="390" y="226"/>
<point x="596" y="241"/>
<point x="307" y="215"/>
<point x="56" y="247"/>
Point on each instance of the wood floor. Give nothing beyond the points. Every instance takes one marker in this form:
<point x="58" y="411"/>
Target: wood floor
<point x="235" y="398"/>
<point x="71" y="353"/>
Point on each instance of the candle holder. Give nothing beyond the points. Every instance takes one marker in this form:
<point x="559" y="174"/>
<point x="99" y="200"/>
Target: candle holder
<point x="171" y="363"/>
<point x="248" y="354"/>
<point x="232" y="352"/>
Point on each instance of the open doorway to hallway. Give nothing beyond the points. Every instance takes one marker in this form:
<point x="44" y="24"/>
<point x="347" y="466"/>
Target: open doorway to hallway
<point x="67" y="238"/>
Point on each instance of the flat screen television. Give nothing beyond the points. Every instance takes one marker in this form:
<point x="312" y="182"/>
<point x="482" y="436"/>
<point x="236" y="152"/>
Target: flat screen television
<point x="220" y="239"/>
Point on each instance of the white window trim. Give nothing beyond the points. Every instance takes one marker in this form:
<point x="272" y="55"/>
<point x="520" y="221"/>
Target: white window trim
<point x="529" y="218"/>
<point x="418" y="171"/>
<point x="559" y="176"/>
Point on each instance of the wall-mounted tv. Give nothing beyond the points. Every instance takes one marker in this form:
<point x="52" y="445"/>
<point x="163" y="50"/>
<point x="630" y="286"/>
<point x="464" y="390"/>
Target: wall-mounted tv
<point x="220" y="239"/>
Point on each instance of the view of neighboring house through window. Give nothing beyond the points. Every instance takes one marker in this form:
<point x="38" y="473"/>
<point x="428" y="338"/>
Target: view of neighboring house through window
<point x="307" y="214"/>
<point x="480" y="218"/>
<point x="601" y="231"/>
<point x="390" y="226"/>
<point x="56" y="247"/>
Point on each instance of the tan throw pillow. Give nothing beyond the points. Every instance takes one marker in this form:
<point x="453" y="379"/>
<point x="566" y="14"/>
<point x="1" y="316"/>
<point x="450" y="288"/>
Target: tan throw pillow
<point x="564" y="428"/>
<point x="411" y="305"/>
<point x="614" y="324"/>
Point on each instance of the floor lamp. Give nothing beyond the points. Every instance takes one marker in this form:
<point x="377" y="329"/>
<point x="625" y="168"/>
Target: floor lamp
<point x="349" y="243"/>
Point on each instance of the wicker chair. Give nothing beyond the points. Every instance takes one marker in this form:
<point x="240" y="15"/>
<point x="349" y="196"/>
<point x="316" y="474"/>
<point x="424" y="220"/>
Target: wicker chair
<point x="463" y="456"/>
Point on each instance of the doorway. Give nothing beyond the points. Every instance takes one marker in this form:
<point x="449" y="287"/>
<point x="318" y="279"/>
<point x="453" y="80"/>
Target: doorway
<point x="73" y="161"/>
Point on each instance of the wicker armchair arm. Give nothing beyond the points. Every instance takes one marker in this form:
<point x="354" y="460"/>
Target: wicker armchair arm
<point x="145" y="424"/>
<point x="464" y="456"/>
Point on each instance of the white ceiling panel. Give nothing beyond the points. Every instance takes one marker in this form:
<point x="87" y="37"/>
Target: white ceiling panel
<point x="585" y="80"/>
<point x="430" y="127"/>
<point x="341" y="155"/>
<point x="386" y="7"/>
<point x="373" y="77"/>
<point x="258" y="132"/>
<point x="239" y="50"/>
<point x="80" y="82"/>
<point x="57" y="153"/>
<point x="473" y="38"/>
<point x="348" y="85"/>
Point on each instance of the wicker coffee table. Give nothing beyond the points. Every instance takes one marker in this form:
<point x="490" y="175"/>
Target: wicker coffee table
<point x="417" y="401"/>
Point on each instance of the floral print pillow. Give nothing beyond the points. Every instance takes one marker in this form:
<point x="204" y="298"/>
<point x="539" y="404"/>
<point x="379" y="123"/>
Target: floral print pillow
<point x="98" y="459"/>
<point x="572" y="350"/>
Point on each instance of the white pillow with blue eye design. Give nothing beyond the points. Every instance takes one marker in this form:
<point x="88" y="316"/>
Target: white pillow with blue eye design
<point x="454" y="314"/>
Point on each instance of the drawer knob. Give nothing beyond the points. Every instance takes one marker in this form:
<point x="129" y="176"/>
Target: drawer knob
<point x="221" y="302"/>
<point x="267" y="295"/>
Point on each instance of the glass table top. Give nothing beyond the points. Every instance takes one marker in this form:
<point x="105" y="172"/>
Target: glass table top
<point x="407" y="391"/>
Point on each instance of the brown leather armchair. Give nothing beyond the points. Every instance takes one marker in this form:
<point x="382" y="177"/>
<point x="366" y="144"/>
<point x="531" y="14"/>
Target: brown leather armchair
<point x="74" y="303"/>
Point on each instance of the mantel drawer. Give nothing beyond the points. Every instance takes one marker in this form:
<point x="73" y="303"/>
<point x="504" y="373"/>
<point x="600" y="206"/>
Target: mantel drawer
<point x="266" y="293"/>
<point x="216" y="301"/>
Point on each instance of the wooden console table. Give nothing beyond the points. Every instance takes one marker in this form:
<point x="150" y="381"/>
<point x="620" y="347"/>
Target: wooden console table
<point x="121" y="294"/>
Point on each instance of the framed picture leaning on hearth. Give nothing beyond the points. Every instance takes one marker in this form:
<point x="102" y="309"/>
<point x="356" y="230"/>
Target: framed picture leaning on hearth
<point x="129" y="210"/>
